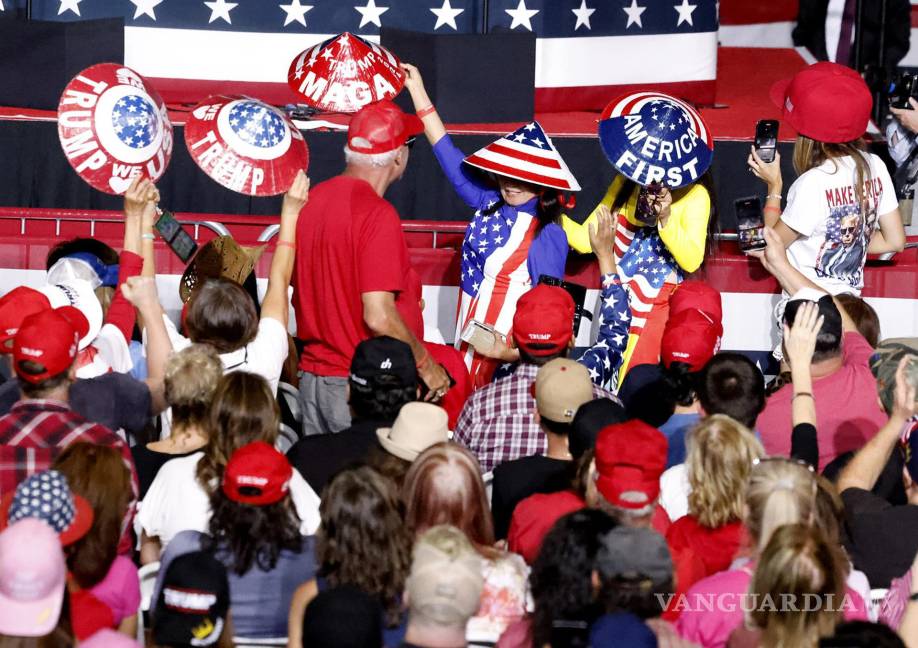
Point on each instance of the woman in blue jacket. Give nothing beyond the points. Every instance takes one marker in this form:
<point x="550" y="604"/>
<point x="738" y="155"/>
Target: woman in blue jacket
<point x="515" y="236"/>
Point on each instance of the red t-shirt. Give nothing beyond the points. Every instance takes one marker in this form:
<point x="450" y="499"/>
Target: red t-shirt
<point x="349" y="241"/>
<point x="847" y="411"/>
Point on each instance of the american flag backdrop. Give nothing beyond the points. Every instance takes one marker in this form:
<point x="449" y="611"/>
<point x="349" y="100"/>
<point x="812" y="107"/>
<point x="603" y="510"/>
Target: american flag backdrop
<point x="585" y="49"/>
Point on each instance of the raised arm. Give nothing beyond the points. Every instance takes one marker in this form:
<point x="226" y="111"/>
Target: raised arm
<point x="473" y="193"/>
<point x="276" y="303"/>
<point x="865" y="467"/>
<point x="604" y="358"/>
<point x="141" y="292"/>
<point x="800" y="343"/>
<point x="423" y="107"/>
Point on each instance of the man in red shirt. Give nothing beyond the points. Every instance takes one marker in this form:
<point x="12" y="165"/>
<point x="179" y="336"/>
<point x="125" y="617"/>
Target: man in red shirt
<point x="42" y="424"/>
<point x="352" y="266"/>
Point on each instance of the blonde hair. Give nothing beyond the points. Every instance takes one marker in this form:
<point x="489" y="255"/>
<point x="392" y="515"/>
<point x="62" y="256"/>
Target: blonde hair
<point x="190" y="381"/>
<point x="779" y="492"/>
<point x="798" y="562"/>
<point x="810" y="153"/>
<point x="719" y="457"/>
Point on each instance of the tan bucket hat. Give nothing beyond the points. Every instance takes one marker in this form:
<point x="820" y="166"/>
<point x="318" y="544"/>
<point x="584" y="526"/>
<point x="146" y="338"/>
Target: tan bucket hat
<point x="417" y="427"/>
<point x="221" y="257"/>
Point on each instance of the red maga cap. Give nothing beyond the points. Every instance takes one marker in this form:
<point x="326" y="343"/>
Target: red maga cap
<point x="694" y="294"/>
<point x="381" y="127"/>
<point x="544" y="320"/>
<point x="49" y="338"/>
<point x="15" y="306"/>
<point x="630" y="457"/>
<point x="691" y="337"/>
<point x="246" y="145"/>
<point x="345" y="73"/>
<point x="825" y="101"/>
<point x="257" y="474"/>
<point x="114" y="126"/>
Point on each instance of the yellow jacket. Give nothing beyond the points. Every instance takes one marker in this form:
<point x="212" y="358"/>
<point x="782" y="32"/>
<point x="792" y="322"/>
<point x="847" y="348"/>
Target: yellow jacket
<point x="684" y="235"/>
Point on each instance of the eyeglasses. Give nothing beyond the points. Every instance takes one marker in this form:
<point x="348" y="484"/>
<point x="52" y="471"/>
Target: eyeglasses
<point x="410" y="142"/>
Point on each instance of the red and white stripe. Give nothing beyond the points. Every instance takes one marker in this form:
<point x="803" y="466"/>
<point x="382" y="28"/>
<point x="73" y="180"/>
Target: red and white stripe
<point x="641" y="294"/>
<point x="510" y="158"/>
<point x="506" y="279"/>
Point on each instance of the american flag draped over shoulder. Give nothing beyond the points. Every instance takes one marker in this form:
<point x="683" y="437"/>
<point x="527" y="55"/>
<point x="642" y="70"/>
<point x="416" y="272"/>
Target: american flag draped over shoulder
<point x="643" y="262"/>
<point x="586" y="50"/>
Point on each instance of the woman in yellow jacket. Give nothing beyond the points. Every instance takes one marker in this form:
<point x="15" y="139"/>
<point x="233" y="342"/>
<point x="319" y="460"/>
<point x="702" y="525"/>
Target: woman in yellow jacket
<point x="661" y="200"/>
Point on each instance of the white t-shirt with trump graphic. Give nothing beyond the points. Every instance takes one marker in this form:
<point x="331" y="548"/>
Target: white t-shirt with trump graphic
<point x="822" y="206"/>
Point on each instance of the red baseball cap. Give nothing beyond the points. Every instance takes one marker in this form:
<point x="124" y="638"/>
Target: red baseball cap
<point x="15" y="306"/>
<point x="50" y="338"/>
<point x="257" y="474"/>
<point x="690" y="337"/>
<point x="825" y="101"/>
<point x="381" y="127"/>
<point x="630" y="457"/>
<point x="694" y="294"/>
<point x="544" y="320"/>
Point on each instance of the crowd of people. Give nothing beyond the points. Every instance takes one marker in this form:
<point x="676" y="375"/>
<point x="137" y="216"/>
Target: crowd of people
<point x="510" y="491"/>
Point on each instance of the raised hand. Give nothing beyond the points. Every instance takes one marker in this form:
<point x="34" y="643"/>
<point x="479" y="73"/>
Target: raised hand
<point x="141" y="292"/>
<point x="769" y="172"/>
<point x="602" y="238"/>
<point x="297" y="195"/>
<point x="800" y="339"/>
<point x="904" y="401"/>
<point x="140" y="198"/>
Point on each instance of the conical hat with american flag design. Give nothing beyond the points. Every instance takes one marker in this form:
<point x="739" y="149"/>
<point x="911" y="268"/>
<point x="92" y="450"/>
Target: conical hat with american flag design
<point x="526" y="154"/>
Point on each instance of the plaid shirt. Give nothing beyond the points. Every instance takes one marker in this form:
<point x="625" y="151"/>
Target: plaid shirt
<point x="497" y="422"/>
<point x="36" y="431"/>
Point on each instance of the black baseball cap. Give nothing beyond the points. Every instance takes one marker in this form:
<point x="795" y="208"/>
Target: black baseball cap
<point x="343" y="617"/>
<point x="193" y="602"/>
<point x="830" y="334"/>
<point x="383" y="356"/>
<point x="590" y="419"/>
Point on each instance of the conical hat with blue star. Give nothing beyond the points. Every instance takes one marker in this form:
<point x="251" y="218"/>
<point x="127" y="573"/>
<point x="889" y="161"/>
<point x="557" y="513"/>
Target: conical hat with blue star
<point x="526" y="154"/>
<point x="653" y="137"/>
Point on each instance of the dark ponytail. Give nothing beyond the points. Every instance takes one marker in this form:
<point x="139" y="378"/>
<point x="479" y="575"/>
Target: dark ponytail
<point x="681" y="382"/>
<point x="548" y="207"/>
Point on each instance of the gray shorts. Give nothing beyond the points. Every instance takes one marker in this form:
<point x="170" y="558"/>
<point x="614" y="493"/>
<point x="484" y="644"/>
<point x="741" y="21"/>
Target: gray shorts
<point x="324" y="403"/>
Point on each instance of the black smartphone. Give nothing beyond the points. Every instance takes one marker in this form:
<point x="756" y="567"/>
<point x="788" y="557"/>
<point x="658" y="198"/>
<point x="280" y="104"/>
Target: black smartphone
<point x="766" y="139"/>
<point x="175" y="236"/>
<point x="750" y="223"/>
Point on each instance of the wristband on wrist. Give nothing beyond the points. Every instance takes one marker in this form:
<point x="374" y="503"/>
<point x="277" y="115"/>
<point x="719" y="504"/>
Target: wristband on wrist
<point x="423" y="112"/>
<point x="913" y="597"/>
<point x="148" y="236"/>
<point x="808" y="394"/>
<point x="424" y="361"/>
<point x="289" y="244"/>
<point x="777" y="195"/>
<point x="771" y="208"/>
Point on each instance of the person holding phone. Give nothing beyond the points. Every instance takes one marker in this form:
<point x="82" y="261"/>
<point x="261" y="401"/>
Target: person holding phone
<point x="843" y="205"/>
<point x="661" y="232"/>
<point x="515" y="236"/>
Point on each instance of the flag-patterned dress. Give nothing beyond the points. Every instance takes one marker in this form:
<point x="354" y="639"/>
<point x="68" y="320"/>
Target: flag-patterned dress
<point x="652" y="261"/>
<point x="503" y="254"/>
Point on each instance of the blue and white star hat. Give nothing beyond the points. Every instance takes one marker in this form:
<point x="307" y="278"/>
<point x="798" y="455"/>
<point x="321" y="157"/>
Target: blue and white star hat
<point x="47" y="496"/>
<point x="653" y="137"/>
<point x="246" y="145"/>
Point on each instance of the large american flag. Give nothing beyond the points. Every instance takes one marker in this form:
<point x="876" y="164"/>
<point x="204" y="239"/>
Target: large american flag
<point x="586" y="50"/>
